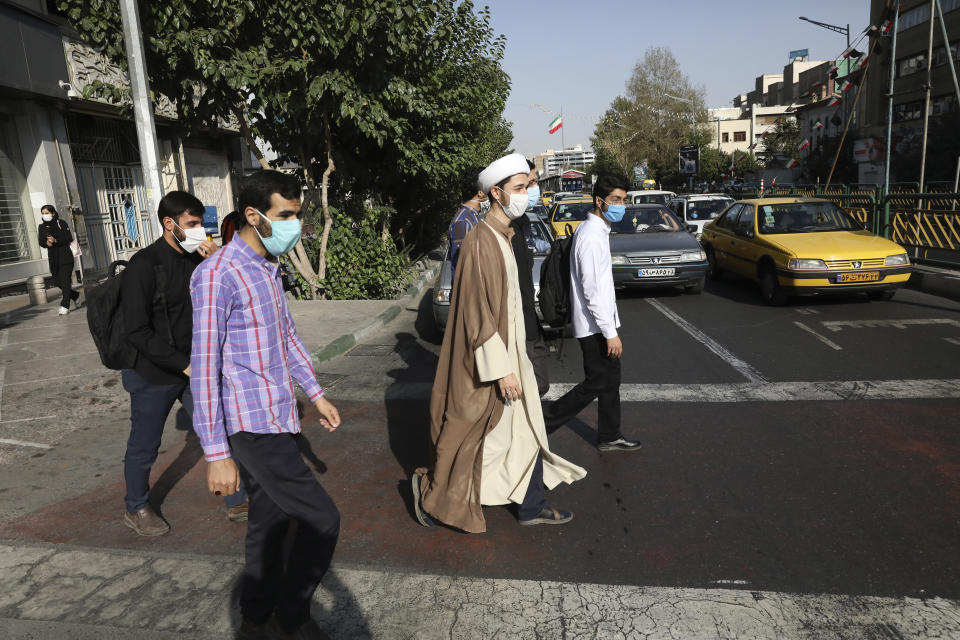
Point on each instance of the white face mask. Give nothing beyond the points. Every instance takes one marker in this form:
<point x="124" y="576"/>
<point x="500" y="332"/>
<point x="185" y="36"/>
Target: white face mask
<point x="46" y="217"/>
<point x="194" y="238"/>
<point x="517" y="206"/>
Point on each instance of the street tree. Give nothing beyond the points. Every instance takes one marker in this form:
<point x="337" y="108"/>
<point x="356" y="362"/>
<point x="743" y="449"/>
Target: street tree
<point x="395" y="99"/>
<point x="781" y="144"/>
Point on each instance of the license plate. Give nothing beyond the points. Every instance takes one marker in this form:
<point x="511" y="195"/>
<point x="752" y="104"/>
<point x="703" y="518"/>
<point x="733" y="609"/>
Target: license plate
<point x="654" y="273"/>
<point x="862" y="276"/>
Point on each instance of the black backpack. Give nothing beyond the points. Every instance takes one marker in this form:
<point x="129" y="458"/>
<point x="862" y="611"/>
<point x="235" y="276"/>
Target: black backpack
<point x="105" y="317"/>
<point x="554" y="296"/>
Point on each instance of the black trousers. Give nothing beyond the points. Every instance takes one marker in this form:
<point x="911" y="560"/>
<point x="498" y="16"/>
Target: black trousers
<point x="283" y="493"/>
<point x="535" y="499"/>
<point x="64" y="279"/>
<point x="538" y="354"/>
<point x="601" y="382"/>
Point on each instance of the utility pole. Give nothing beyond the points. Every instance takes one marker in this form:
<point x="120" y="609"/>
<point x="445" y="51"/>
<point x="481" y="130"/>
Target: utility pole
<point x="893" y="75"/>
<point x="142" y="110"/>
<point x="926" y="89"/>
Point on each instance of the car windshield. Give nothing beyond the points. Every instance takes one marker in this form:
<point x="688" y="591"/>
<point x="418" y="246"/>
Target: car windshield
<point x="646" y="220"/>
<point x="573" y="212"/>
<point x="539" y="239"/>
<point x="804" y="217"/>
<point x="706" y="209"/>
<point x="650" y="198"/>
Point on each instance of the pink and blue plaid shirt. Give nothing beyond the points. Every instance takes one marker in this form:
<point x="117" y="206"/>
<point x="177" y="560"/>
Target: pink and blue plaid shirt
<point x="246" y="352"/>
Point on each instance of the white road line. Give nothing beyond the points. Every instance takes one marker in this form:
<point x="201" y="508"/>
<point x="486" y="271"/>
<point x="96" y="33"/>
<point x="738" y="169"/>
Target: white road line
<point x="825" y="340"/>
<point x="730" y="582"/>
<point x="86" y="374"/>
<point x="718" y="349"/>
<point x="23" y="443"/>
<point x="4" y="336"/>
<point x="3" y="341"/>
<point x="955" y="341"/>
<point x="808" y="312"/>
<point x="840" y="325"/>
<point x="782" y="391"/>
<point x="27" y="419"/>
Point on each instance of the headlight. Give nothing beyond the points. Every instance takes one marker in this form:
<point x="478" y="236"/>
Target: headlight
<point x="899" y="259"/>
<point x="806" y="263"/>
<point x="442" y="296"/>
<point x="693" y="256"/>
<point x="619" y="259"/>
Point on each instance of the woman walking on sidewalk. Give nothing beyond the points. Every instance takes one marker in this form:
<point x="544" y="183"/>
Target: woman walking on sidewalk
<point x="54" y="236"/>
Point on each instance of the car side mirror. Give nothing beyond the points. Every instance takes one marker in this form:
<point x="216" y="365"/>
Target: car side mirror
<point x="691" y="228"/>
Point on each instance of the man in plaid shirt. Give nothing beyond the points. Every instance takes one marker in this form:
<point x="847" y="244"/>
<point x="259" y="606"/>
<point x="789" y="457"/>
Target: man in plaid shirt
<point x="467" y="216"/>
<point x="246" y="355"/>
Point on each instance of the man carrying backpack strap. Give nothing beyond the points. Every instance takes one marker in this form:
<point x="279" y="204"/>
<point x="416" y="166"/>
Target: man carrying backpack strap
<point x="595" y="319"/>
<point x="158" y="315"/>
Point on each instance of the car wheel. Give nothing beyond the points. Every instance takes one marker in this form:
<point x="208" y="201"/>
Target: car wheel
<point x="696" y="287"/>
<point x="714" y="272"/>
<point x="883" y="296"/>
<point x="770" y="289"/>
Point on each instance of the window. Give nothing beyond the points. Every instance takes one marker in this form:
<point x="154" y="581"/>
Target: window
<point x="919" y="15"/>
<point x="739" y="136"/>
<point x="744" y="225"/>
<point x="911" y="65"/>
<point x="942" y="105"/>
<point x="726" y="137"/>
<point x="727" y="220"/>
<point x="14" y="239"/>
<point x="908" y="111"/>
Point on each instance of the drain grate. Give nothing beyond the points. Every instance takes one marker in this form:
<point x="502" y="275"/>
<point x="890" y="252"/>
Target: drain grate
<point x="367" y="350"/>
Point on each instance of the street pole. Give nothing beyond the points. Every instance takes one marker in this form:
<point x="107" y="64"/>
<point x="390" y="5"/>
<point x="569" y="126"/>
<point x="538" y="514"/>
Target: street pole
<point x="142" y="109"/>
<point x="926" y="107"/>
<point x="893" y="75"/>
<point x="946" y="45"/>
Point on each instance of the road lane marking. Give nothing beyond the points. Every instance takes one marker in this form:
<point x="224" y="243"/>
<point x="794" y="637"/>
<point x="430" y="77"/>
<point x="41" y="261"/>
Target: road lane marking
<point x="825" y="340"/>
<point x="27" y="419"/>
<point x="955" y="341"/>
<point x="24" y="443"/>
<point x="808" y="312"/>
<point x="840" y="325"/>
<point x="718" y="349"/>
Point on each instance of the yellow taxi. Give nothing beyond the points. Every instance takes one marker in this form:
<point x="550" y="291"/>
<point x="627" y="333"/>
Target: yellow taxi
<point x="649" y="184"/>
<point x="803" y="246"/>
<point x="546" y="198"/>
<point x="566" y="215"/>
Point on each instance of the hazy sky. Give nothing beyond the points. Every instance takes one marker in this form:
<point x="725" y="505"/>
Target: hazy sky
<point x="579" y="54"/>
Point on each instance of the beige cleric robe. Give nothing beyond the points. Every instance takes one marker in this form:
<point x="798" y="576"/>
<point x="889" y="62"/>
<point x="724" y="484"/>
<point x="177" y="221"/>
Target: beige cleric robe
<point x="485" y="450"/>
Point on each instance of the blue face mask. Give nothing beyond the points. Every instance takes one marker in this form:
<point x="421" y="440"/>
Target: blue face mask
<point x="286" y="234"/>
<point x="614" y="212"/>
<point x="533" y="196"/>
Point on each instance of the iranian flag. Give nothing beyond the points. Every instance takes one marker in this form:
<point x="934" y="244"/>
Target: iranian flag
<point x="804" y="145"/>
<point x="836" y="100"/>
<point x="819" y="125"/>
<point x="792" y="164"/>
<point x="556" y="124"/>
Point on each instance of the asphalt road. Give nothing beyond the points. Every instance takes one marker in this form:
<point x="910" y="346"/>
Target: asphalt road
<point x="843" y="479"/>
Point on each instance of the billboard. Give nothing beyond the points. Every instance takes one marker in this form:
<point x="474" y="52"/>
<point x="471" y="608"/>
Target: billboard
<point x="799" y="53"/>
<point x="689" y="160"/>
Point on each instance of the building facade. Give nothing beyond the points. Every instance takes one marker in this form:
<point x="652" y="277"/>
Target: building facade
<point x="81" y="155"/>
<point x="550" y="162"/>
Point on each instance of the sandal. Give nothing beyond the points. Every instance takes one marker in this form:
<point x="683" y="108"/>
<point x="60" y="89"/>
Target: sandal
<point x="549" y="516"/>
<point x="422" y="516"/>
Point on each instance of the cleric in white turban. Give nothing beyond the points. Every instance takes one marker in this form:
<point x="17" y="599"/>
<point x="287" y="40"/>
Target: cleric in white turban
<point x="486" y="423"/>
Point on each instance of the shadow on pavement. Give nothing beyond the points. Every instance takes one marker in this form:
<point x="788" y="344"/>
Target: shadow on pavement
<point x="425" y="324"/>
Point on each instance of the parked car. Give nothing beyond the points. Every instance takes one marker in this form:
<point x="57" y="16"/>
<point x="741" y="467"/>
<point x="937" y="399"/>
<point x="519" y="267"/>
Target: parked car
<point x="650" y="196"/>
<point x="539" y="242"/>
<point x="650" y="247"/>
<point x="700" y="209"/>
<point x="803" y="246"/>
<point x="541" y="211"/>
<point x="569" y="214"/>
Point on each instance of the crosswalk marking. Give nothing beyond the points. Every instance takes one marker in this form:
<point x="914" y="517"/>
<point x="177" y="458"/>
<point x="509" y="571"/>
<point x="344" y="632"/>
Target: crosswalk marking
<point x="840" y="325"/>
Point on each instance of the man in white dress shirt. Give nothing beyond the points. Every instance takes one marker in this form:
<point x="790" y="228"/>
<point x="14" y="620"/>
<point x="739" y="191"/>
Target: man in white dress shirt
<point x="596" y="320"/>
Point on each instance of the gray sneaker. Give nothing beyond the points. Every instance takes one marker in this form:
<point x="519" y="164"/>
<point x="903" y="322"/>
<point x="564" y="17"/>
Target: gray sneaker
<point x="620" y="444"/>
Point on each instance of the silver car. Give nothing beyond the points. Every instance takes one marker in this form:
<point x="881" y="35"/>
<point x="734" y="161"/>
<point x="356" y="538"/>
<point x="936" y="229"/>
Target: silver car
<point x="539" y="243"/>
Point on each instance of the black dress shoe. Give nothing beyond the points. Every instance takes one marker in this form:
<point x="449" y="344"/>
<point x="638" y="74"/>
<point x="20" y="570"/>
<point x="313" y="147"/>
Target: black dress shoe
<point x="620" y="444"/>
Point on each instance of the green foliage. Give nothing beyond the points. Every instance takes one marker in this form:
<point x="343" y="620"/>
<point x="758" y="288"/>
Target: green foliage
<point x="361" y="262"/>
<point x="780" y="145"/>
<point x="403" y="96"/>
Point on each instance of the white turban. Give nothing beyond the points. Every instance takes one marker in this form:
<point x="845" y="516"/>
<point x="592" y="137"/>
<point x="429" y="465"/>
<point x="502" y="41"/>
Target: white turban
<point x="500" y="170"/>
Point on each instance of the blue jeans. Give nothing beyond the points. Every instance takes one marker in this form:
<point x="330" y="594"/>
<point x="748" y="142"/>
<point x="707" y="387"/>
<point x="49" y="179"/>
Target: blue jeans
<point x="535" y="500"/>
<point x="150" y="404"/>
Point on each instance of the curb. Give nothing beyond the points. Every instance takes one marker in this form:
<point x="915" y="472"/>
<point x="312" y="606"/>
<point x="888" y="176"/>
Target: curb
<point x="943" y="283"/>
<point x="349" y="340"/>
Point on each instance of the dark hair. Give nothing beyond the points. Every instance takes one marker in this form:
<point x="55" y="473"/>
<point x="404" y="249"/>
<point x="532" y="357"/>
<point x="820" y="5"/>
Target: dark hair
<point x="260" y="186"/>
<point x="606" y="183"/>
<point x="176" y="203"/>
<point x="468" y="184"/>
<point x="50" y="208"/>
